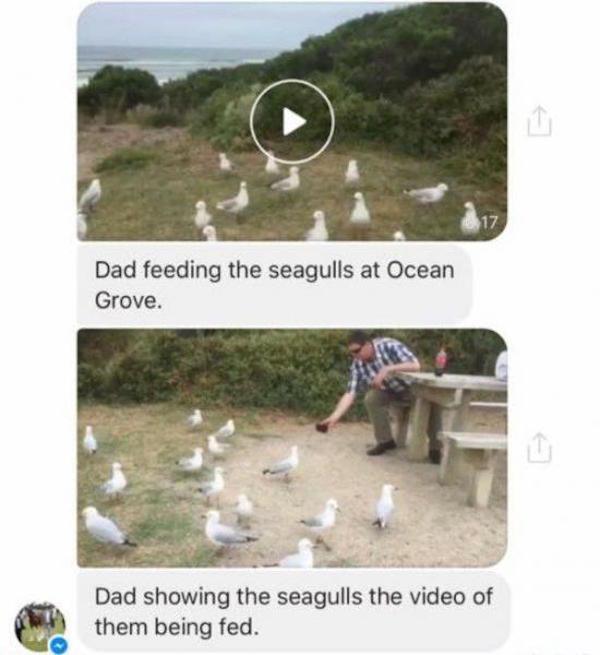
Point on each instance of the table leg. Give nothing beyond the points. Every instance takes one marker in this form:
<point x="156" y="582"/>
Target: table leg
<point x="417" y="439"/>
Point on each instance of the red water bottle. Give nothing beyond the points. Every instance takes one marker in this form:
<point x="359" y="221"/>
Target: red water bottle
<point x="441" y="359"/>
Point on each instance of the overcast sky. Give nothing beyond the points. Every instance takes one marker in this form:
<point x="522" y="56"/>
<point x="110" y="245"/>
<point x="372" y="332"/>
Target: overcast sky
<point x="264" y="25"/>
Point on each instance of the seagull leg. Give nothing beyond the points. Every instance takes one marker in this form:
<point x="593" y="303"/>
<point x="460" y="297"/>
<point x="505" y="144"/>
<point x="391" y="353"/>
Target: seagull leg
<point x="327" y="546"/>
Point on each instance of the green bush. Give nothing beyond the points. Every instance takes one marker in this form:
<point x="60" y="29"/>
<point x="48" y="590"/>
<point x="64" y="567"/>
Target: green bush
<point x="126" y="159"/>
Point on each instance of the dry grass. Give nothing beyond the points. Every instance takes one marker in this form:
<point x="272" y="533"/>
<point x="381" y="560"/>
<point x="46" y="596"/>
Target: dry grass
<point x="156" y="201"/>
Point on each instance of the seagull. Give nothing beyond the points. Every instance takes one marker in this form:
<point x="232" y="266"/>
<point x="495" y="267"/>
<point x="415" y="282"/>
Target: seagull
<point x="202" y="217"/>
<point x="215" y="448"/>
<point x="244" y="509"/>
<point x="272" y="167"/>
<point x="224" y="535"/>
<point x="225" y="431"/>
<point x="360" y="213"/>
<point x="385" y="506"/>
<point x="285" y="466"/>
<point x="236" y="204"/>
<point x="90" y="445"/>
<point x="352" y="174"/>
<point x="224" y="164"/>
<point x="117" y="482"/>
<point x="289" y="183"/>
<point x="319" y="231"/>
<point x="103" y="529"/>
<point x="90" y="197"/>
<point x="193" y="463"/>
<point x="214" y="487"/>
<point x="195" y="419"/>
<point x="210" y="233"/>
<point x="323" y="521"/>
<point x="303" y="559"/>
<point x="470" y="223"/>
<point x="399" y="236"/>
<point x="428" y="195"/>
<point x="81" y="226"/>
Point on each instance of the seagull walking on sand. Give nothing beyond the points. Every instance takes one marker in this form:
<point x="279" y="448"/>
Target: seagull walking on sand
<point x="285" y="466"/>
<point x="117" y="482"/>
<point x="289" y="183"/>
<point x="360" y="214"/>
<point x="323" y="521"/>
<point x="225" y="431"/>
<point x="385" y="506"/>
<point x="225" y="164"/>
<point x="195" y="419"/>
<point x="352" y="174"/>
<point x="319" y="230"/>
<point x="302" y="559"/>
<point x="470" y="223"/>
<point x="214" y="487"/>
<point x="210" y="234"/>
<point x="399" y="235"/>
<point x="428" y="195"/>
<point x="202" y="217"/>
<point x="272" y="167"/>
<point x="193" y="463"/>
<point x="236" y="204"/>
<point x="90" y="197"/>
<point x="90" y="445"/>
<point x="81" y="226"/>
<point x="103" y="529"/>
<point x="215" y="448"/>
<point x="224" y="535"/>
<point x="244" y="510"/>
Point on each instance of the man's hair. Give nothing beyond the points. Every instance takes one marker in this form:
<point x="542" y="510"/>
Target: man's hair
<point x="359" y="337"/>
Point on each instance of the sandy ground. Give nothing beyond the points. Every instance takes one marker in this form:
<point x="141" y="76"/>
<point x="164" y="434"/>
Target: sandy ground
<point x="432" y="525"/>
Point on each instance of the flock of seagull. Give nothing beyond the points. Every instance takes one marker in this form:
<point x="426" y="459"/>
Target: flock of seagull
<point x="470" y="223"/>
<point x="106" y="531"/>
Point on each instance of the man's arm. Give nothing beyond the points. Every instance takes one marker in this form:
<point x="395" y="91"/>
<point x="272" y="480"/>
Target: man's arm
<point x="413" y="366"/>
<point x="344" y="404"/>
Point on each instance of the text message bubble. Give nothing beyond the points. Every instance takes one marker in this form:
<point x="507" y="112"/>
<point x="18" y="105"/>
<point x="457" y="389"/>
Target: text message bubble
<point x="285" y="610"/>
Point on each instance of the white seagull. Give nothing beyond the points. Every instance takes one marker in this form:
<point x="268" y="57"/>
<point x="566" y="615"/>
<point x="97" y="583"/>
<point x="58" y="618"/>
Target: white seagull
<point x="202" y="217"/>
<point x="385" y="506"/>
<point x="428" y="195"/>
<point x="90" y="197"/>
<point x="303" y="559"/>
<point x="244" y="509"/>
<point x="224" y="164"/>
<point x="236" y="204"/>
<point x="117" y="482"/>
<point x="323" y="521"/>
<point x="225" y="431"/>
<point x="272" y="167"/>
<point x="210" y="233"/>
<point x="360" y="214"/>
<point x="224" y="535"/>
<point x="215" y="448"/>
<point x="289" y="183"/>
<point x="352" y="174"/>
<point x="214" y="487"/>
<point x="193" y="463"/>
<point x="90" y="445"/>
<point x="319" y="231"/>
<point x="470" y="223"/>
<point x="399" y="235"/>
<point x="81" y="226"/>
<point x="195" y="419"/>
<point x="285" y="466"/>
<point x="103" y="529"/>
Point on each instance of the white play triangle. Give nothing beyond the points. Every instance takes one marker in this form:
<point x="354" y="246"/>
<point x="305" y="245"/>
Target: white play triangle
<point x="291" y="121"/>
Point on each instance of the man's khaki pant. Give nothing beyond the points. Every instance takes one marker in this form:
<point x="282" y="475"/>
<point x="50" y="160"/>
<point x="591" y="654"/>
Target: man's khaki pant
<point x="384" y="407"/>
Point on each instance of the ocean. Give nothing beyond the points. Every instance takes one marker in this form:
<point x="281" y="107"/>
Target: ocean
<point x="164" y="63"/>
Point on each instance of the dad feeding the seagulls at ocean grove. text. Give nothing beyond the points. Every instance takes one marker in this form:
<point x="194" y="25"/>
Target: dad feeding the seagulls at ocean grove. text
<point x="375" y="363"/>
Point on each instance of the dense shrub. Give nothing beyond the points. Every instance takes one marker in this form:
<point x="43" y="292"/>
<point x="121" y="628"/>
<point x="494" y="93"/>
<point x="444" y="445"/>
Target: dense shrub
<point x="302" y="371"/>
<point x="126" y="159"/>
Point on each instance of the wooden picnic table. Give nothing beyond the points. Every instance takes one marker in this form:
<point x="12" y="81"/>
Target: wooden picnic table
<point x="450" y="394"/>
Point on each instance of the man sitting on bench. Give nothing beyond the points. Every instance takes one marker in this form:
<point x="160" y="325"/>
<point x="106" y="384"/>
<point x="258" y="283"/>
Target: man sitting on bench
<point x="374" y="363"/>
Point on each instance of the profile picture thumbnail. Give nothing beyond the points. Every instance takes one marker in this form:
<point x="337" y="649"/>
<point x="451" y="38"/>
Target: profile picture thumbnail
<point x="37" y="623"/>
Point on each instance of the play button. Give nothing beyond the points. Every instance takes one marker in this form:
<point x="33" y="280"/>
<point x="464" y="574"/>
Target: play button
<point x="292" y="121"/>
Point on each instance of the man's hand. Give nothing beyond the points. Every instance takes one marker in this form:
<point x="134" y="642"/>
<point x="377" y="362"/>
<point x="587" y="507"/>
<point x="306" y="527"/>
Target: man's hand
<point x="326" y="424"/>
<point x="379" y="379"/>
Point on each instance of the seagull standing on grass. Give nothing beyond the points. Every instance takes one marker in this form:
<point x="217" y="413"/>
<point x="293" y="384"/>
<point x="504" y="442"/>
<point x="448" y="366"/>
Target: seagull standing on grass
<point x="117" y="483"/>
<point x="236" y="204"/>
<point x="215" y="448"/>
<point x="81" y="226"/>
<point x="225" y="165"/>
<point x="289" y="183"/>
<point x="244" y="509"/>
<point x="103" y="529"/>
<point x="210" y="234"/>
<point x="385" y="506"/>
<point x="323" y="521"/>
<point x="285" y="466"/>
<point x="352" y="174"/>
<point x="303" y="559"/>
<point x="202" y="217"/>
<point x="90" y="445"/>
<point x="214" y="487"/>
<point x="225" y="431"/>
<point x="319" y="231"/>
<point x="470" y="223"/>
<point x="272" y="167"/>
<point x="193" y="463"/>
<point x="90" y="197"/>
<point x="224" y="535"/>
<point x="428" y="195"/>
<point x="195" y="419"/>
<point x="360" y="214"/>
